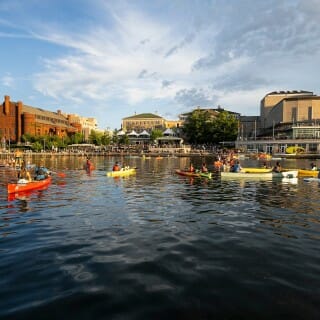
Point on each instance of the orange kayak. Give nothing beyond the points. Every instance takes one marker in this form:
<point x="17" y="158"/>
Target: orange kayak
<point x="19" y="187"/>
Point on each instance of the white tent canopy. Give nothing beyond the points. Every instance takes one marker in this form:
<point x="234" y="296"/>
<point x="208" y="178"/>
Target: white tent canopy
<point x="121" y="133"/>
<point x="144" y="133"/>
<point x="132" y="133"/>
<point x="168" y="132"/>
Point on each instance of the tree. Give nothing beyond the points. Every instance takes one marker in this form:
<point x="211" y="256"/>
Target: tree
<point x="77" y="138"/>
<point x="95" y="137"/>
<point x="36" y="146"/>
<point x="204" y="127"/>
<point x="225" y="127"/>
<point x="124" y="139"/>
<point x="196" y="127"/>
<point x="115" y="138"/>
<point x="156" y="133"/>
<point x="106" y="138"/>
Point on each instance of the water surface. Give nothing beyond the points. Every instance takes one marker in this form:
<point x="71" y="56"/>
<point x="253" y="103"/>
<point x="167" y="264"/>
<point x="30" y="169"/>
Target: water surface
<point x="157" y="245"/>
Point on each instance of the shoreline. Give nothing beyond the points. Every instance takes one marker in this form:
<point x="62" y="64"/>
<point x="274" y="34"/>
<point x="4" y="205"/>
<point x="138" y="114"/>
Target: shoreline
<point x="6" y="155"/>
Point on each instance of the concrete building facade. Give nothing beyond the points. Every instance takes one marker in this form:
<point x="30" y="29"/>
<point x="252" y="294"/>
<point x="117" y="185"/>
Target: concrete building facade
<point x="144" y="121"/>
<point x="86" y="125"/>
<point x="285" y="106"/>
<point x="287" y="119"/>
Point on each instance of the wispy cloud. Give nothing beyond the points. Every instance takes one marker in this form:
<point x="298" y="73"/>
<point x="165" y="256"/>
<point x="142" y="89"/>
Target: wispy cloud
<point x="142" y="54"/>
<point x="7" y="80"/>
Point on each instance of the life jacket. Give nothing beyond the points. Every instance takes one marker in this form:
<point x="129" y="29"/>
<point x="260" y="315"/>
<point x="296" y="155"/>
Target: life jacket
<point x="116" y="168"/>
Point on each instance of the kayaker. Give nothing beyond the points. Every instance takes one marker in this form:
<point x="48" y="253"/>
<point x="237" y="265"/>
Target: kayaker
<point x="24" y="174"/>
<point x="41" y="172"/>
<point x="116" y="167"/>
<point x="124" y="167"/>
<point x="277" y="167"/>
<point x="88" y="164"/>
<point x="236" y="167"/>
<point x="313" y="167"/>
<point x="191" y="168"/>
<point x="204" y="167"/>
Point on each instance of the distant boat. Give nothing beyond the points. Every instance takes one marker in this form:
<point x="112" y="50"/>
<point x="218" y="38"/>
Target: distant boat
<point x="123" y="172"/>
<point x="260" y="175"/>
<point x="294" y="150"/>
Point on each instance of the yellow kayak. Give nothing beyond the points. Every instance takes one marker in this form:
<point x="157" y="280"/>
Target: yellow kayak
<point x="307" y="173"/>
<point x="256" y="170"/>
<point x="120" y="173"/>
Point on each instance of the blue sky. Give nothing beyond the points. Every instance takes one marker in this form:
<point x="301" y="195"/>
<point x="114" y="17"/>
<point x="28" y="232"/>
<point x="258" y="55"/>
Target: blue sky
<point x="111" y="59"/>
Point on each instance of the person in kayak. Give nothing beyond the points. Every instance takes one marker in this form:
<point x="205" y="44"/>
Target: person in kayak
<point x="41" y="172"/>
<point x="88" y="165"/>
<point x="313" y="167"/>
<point x="204" y="167"/>
<point x="277" y="167"/>
<point x="116" y="167"/>
<point x="124" y="167"/>
<point x="24" y="174"/>
<point x="236" y="167"/>
<point x="191" y="168"/>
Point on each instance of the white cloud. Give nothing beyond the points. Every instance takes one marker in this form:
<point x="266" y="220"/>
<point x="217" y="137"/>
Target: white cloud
<point x="139" y="55"/>
<point x="7" y="80"/>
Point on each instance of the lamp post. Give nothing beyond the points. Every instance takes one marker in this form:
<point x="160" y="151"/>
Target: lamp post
<point x="255" y="129"/>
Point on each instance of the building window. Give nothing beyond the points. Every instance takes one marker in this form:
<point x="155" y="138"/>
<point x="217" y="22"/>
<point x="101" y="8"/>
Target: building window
<point x="309" y="113"/>
<point x="294" y="114"/>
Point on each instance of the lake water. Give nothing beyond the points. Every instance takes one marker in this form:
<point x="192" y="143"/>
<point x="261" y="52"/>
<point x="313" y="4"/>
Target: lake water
<point x="156" y="245"/>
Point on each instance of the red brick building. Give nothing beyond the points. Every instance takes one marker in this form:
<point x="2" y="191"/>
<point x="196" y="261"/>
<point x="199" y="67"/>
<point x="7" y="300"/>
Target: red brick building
<point x="17" y="119"/>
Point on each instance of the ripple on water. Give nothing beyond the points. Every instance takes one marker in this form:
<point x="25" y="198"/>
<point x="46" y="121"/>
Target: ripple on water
<point x="158" y="245"/>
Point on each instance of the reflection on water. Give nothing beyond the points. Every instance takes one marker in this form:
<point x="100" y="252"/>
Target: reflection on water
<point x="157" y="245"/>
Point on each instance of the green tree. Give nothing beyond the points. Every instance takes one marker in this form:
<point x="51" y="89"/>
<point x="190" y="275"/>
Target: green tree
<point x="95" y="137"/>
<point x="106" y="138"/>
<point x="124" y="139"/>
<point x="197" y="126"/>
<point x="115" y="138"/>
<point x="225" y="127"/>
<point x="203" y="127"/>
<point x="155" y="133"/>
<point x="77" y="138"/>
<point x="36" y="146"/>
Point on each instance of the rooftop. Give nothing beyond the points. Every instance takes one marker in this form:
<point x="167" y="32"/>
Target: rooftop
<point x="144" y="116"/>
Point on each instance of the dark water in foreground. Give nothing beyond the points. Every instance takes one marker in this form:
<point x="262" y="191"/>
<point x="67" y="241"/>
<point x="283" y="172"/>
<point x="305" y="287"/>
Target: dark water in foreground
<point x="157" y="245"/>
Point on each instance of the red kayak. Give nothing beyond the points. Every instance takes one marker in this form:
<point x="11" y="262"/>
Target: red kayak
<point x="193" y="174"/>
<point x="32" y="185"/>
